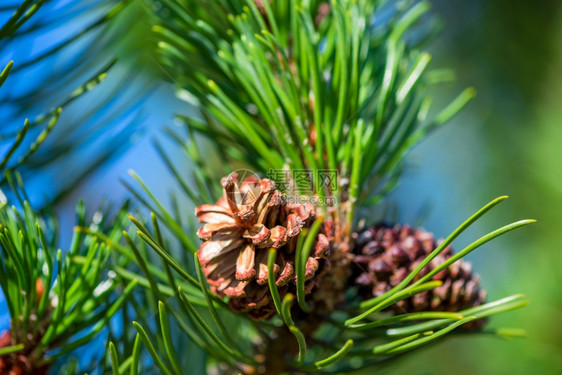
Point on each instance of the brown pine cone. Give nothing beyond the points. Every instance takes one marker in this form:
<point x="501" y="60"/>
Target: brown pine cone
<point x="248" y="220"/>
<point x="21" y="362"/>
<point x="385" y="255"/>
<point x="18" y="363"/>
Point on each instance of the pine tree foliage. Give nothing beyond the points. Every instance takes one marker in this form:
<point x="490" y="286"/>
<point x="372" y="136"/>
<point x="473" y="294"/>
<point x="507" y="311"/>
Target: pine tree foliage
<point x="374" y="337"/>
<point x="301" y="85"/>
<point x="57" y="302"/>
<point x="307" y="85"/>
<point x="75" y="66"/>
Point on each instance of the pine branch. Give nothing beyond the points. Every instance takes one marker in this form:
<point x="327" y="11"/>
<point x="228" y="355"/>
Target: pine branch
<point x="282" y="88"/>
<point x="271" y="103"/>
<point x="291" y="86"/>
<point x="364" y="336"/>
<point x="57" y="302"/>
<point x="27" y="148"/>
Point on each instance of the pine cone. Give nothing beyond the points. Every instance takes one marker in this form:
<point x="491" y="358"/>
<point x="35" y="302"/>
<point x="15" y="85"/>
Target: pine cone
<point x="19" y="363"/>
<point x="385" y="255"/>
<point x="248" y="220"/>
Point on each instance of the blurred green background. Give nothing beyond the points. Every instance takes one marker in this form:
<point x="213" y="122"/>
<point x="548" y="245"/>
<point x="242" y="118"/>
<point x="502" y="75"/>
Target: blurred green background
<point x="508" y="141"/>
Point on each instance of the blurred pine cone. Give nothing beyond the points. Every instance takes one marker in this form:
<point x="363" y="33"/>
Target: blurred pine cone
<point x="384" y="255"/>
<point x="22" y="362"/>
<point x="250" y="218"/>
<point x="18" y="363"/>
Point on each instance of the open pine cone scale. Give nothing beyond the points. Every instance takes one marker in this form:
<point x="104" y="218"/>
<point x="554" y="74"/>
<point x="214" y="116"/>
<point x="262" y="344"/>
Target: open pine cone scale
<point x="250" y="218"/>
